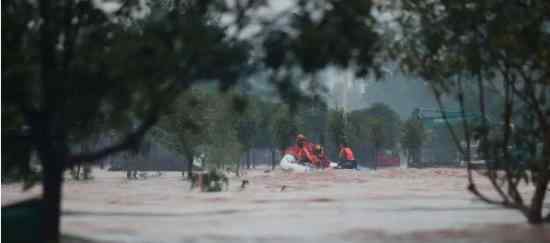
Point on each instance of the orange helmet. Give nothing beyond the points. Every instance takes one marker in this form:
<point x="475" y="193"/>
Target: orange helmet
<point x="318" y="147"/>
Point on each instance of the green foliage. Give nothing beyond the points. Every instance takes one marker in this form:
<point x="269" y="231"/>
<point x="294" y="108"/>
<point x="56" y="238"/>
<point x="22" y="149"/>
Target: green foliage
<point x="185" y="122"/>
<point x="29" y="177"/>
<point x="284" y="128"/>
<point x="367" y="131"/>
<point x="413" y="136"/>
<point x="497" y="51"/>
<point x="265" y="114"/>
<point x="247" y="126"/>
<point x="339" y="127"/>
<point x="70" y="64"/>
<point x="343" y="35"/>
<point x="378" y="126"/>
<point x="205" y="121"/>
<point x="105" y="74"/>
<point x="114" y="69"/>
<point x="223" y="146"/>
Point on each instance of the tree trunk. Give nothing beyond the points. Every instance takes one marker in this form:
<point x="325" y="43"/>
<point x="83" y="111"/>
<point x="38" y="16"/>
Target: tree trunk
<point x="248" y="159"/>
<point x="238" y="168"/>
<point x="534" y="215"/>
<point x="273" y="158"/>
<point x="253" y="160"/>
<point x="52" y="182"/>
<point x="86" y="172"/>
<point x="189" y="168"/>
<point x="77" y="173"/>
<point x="375" y="158"/>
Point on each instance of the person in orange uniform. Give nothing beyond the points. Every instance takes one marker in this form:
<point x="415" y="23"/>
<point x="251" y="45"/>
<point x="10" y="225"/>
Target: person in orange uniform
<point x="347" y="159"/>
<point x="301" y="156"/>
<point x="320" y="153"/>
<point x="305" y="151"/>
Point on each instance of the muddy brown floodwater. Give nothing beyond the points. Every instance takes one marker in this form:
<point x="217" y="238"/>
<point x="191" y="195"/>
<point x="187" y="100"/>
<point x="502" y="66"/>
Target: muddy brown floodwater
<point x="387" y="205"/>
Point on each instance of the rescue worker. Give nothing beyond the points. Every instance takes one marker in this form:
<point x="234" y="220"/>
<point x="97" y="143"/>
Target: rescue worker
<point x="300" y="157"/>
<point x="347" y="159"/>
<point x="296" y="149"/>
<point x="320" y="153"/>
<point x="305" y="151"/>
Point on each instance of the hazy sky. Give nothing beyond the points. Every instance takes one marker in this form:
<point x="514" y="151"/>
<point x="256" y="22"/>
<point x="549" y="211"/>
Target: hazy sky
<point x="401" y="92"/>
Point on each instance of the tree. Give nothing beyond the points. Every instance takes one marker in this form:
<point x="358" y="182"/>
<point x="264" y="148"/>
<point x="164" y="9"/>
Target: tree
<point x="265" y="137"/>
<point x="338" y="128"/>
<point x="376" y="136"/>
<point x="84" y="142"/>
<point x="69" y="62"/>
<point x="284" y="128"/>
<point x="247" y="130"/>
<point x="373" y="129"/>
<point x="491" y="45"/>
<point x="183" y="128"/>
<point x="205" y="122"/>
<point x="135" y="156"/>
<point x="388" y="123"/>
<point x="314" y="113"/>
<point x="412" y="138"/>
<point x="222" y="145"/>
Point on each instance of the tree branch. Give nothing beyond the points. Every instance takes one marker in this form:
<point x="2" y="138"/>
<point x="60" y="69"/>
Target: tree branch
<point x="71" y="31"/>
<point x="505" y="203"/>
<point x="509" y="104"/>
<point x="465" y="124"/>
<point x="531" y="96"/>
<point x="472" y="185"/>
<point x="451" y="130"/>
<point x="128" y="142"/>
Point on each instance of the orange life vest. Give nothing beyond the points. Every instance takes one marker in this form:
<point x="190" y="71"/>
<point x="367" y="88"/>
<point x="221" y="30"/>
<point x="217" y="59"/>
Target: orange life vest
<point x="347" y="154"/>
<point x="304" y="153"/>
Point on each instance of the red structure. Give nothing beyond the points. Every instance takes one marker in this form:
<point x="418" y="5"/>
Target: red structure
<point x="387" y="159"/>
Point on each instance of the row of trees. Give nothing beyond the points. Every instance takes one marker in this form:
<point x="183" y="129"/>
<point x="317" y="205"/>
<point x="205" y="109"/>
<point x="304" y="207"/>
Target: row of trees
<point x="222" y="127"/>
<point x="369" y="131"/>
<point x="205" y="123"/>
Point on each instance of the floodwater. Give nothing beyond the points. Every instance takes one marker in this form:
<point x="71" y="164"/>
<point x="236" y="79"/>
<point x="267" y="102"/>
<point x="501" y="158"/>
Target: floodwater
<point x="387" y="205"/>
